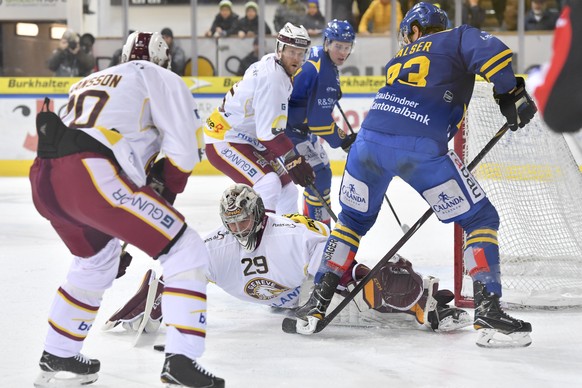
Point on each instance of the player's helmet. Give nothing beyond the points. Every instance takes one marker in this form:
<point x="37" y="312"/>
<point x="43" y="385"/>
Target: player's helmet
<point x="294" y="36"/>
<point x="147" y="46"/>
<point x="428" y="17"/>
<point x="339" y="30"/>
<point x="239" y="203"/>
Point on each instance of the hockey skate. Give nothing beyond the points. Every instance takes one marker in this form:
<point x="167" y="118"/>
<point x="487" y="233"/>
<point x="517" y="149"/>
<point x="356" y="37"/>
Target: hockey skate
<point x="182" y="371"/>
<point x="438" y="315"/>
<point x="66" y="372"/>
<point x="309" y="315"/>
<point x="496" y="328"/>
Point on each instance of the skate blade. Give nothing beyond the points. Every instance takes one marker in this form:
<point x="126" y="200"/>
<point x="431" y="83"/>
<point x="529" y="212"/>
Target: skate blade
<point x="451" y="324"/>
<point x="63" y="379"/>
<point x="490" y="338"/>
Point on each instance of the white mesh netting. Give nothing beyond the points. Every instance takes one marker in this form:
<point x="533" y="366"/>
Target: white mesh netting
<point x="534" y="182"/>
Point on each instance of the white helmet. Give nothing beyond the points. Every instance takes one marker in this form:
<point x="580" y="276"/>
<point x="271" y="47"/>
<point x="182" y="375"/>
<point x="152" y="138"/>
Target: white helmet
<point x="147" y="46"/>
<point x="293" y="36"/>
<point x="239" y="203"/>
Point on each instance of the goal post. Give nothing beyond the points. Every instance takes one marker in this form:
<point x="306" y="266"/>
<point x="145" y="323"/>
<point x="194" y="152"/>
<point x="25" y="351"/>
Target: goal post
<point x="535" y="184"/>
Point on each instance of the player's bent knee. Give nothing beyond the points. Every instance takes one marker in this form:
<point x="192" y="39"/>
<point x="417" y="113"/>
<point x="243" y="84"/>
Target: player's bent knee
<point x="187" y="254"/>
<point x="486" y="217"/>
<point x="98" y="271"/>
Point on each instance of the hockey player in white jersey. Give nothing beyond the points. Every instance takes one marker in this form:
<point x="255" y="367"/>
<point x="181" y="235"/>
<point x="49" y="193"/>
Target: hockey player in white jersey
<point x="245" y="136"/>
<point x="97" y="181"/>
<point x="264" y="258"/>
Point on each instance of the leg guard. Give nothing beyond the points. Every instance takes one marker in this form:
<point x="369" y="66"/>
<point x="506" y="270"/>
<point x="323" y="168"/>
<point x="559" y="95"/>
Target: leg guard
<point x="312" y="206"/>
<point x="339" y="252"/>
<point x="77" y="301"/>
<point x="287" y="203"/>
<point x="184" y="295"/>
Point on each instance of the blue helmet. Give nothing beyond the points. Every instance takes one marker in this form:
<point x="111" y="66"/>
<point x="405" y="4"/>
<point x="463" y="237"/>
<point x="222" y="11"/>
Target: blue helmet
<point x="426" y="15"/>
<point x="339" y="30"/>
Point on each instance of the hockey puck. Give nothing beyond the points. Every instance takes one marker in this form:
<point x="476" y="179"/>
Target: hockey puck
<point x="160" y="348"/>
<point x="289" y="325"/>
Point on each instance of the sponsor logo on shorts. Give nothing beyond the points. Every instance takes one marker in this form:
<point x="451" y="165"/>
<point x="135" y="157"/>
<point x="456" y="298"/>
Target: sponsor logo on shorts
<point x="145" y="206"/>
<point x="239" y="162"/>
<point x="354" y="193"/>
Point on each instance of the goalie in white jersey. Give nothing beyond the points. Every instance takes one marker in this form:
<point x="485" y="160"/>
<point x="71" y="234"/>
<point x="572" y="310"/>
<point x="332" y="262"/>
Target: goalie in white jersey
<point x="95" y="180"/>
<point x="245" y="135"/>
<point x="264" y="258"/>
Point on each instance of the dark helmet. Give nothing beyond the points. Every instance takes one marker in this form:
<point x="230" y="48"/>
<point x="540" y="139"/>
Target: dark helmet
<point x="339" y="30"/>
<point x="427" y="16"/>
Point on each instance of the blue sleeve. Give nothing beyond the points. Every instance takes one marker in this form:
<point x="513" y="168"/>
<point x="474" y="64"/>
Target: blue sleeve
<point x="303" y="84"/>
<point x="488" y="57"/>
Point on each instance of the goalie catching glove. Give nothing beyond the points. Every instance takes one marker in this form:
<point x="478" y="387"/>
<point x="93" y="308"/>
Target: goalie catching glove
<point x="517" y="106"/>
<point x="298" y="169"/>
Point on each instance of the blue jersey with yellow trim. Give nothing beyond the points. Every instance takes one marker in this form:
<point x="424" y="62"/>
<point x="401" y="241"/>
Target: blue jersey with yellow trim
<point x="316" y="89"/>
<point x="429" y="82"/>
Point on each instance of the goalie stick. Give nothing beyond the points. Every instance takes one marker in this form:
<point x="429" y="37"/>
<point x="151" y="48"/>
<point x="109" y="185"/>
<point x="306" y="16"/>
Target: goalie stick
<point x="404" y="227"/>
<point x="289" y="324"/>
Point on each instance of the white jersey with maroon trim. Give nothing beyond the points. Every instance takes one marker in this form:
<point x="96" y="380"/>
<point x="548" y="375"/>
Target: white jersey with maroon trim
<point x="137" y="109"/>
<point x="290" y="250"/>
<point x="255" y="108"/>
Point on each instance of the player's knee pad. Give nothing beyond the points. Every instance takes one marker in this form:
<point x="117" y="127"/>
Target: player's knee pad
<point x="269" y="188"/>
<point x="187" y="254"/>
<point x="322" y="179"/>
<point x="485" y="217"/>
<point x="97" y="272"/>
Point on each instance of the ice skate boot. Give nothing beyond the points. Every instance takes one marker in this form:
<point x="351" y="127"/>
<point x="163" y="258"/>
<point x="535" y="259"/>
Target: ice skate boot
<point x="438" y="315"/>
<point x="314" y="310"/>
<point x="66" y="372"/>
<point x="497" y="329"/>
<point x="181" y="371"/>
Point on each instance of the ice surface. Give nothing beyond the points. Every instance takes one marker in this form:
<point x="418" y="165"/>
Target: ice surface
<point x="245" y="344"/>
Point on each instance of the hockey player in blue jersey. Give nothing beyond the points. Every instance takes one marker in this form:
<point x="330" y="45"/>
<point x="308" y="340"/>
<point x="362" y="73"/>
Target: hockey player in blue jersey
<point x="316" y="90"/>
<point x="428" y="87"/>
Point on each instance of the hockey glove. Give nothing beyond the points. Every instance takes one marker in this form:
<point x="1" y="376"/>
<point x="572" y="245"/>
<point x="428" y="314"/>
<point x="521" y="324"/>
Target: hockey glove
<point x="299" y="170"/>
<point x="155" y="180"/>
<point x="517" y="106"/>
<point x="347" y="143"/>
<point x="124" y="262"/>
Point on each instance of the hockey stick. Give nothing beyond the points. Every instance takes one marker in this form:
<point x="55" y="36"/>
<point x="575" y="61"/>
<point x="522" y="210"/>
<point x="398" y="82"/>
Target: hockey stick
<point x="323" y="202"/>
<point x="404" y="227"/>
<point x="289" y="324"/>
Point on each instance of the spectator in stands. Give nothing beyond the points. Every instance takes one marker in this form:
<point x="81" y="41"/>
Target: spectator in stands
<point x="176" y="52"/>
<point x="116" y="56"/>
<point x="224" y="21"/>
<point x="87" y="41"/>
<point x="313" y="21"/>
<point x="68" y="60"/>
<point x="251" y="58"/>
<point x="473" y="14"/>
<point x="248" y="26"/>
<point x="539" y="17"/>
<point x="292" y="11"/>
<point x="377" y="18"/>
<point x="343" y="10"/>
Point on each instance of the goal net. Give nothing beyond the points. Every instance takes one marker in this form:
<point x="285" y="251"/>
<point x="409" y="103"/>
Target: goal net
<point x="536" y="186"/>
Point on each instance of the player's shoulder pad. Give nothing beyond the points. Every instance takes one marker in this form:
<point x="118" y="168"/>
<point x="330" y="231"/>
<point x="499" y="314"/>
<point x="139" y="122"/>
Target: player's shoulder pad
<point x="310" y="224"/>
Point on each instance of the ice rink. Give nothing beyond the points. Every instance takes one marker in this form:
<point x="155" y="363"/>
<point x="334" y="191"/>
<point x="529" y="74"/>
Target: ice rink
<point x="245" y="344"/>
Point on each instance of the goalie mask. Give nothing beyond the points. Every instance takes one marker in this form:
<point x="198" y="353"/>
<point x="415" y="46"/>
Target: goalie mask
<point x="242" y="213"/>
<point x="146" y="46"/>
